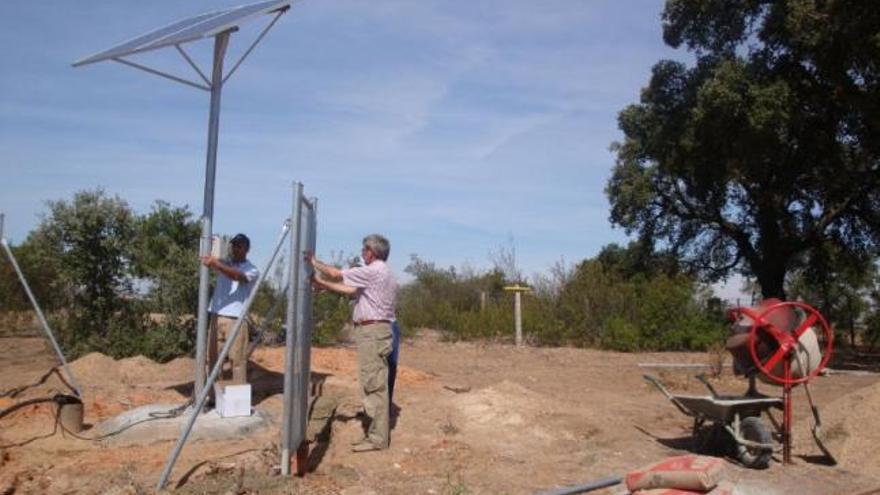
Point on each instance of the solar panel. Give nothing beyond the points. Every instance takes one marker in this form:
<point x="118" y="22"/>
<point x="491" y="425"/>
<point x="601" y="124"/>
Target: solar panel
<point x="186" y="30"/>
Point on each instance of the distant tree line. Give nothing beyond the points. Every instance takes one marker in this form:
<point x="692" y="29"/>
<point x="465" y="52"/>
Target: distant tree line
<point x="121" y="283"/>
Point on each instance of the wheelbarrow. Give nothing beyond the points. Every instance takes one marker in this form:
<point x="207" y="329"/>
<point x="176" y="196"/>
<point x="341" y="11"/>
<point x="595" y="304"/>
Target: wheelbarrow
<point x="730" y="423"/>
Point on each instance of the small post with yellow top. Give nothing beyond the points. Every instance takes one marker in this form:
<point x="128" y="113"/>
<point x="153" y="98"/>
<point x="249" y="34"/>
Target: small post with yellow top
<point x="517" y="308"/>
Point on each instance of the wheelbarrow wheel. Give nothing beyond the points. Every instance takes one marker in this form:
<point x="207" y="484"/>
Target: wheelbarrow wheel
<point x="753" y="429"/>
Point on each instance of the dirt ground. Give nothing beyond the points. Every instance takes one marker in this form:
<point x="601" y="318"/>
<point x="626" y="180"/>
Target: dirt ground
<point x="471" y="418"/>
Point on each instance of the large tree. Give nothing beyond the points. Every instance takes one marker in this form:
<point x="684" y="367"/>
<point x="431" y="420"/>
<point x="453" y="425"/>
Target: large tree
<point x="767" y="148"/>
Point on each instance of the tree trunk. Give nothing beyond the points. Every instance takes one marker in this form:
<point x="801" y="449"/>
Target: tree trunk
<point x="771" y="278"/>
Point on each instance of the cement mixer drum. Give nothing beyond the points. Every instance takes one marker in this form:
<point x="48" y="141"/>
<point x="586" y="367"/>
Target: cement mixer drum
<point x="771" y="327"/>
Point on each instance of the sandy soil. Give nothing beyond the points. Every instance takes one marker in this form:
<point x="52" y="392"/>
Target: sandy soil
<point x="470" y="418"/>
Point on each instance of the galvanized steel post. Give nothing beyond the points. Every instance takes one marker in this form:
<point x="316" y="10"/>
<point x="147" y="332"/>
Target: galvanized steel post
<point x="220" y="43"/>
<point x="292" y="299"/>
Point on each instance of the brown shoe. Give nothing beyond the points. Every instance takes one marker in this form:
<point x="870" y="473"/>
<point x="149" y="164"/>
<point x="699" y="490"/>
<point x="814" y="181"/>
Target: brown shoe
<point x="365" y="446"/>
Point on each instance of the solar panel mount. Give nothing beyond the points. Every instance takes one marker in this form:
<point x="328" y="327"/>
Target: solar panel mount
<point x="218" y="25"/>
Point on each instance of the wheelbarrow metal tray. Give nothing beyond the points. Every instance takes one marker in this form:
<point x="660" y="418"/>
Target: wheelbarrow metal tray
<point x="724" y="408"/>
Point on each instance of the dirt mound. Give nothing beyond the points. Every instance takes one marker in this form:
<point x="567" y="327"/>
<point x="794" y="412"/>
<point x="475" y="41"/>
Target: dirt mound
<point x="338" y="361"/>
<point x="847" y="426"/>
<point x="510" y="412"/>
<point x="96" y="369"/>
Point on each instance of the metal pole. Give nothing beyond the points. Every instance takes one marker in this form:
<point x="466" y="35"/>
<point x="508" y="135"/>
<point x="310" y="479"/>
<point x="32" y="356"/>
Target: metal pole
<point x="292" y="299"/>
<point x="302" y="354"/>
<point x="220" y="43"/>
<point x="215" y="371"/>
<point x="39" y="312"/>
<point x="517" y="315"/>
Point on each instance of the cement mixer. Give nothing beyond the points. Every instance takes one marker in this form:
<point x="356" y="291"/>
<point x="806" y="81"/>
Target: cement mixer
<point x="780" y="343"/>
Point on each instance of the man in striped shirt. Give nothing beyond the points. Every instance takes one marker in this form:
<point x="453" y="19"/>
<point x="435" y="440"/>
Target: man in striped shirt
<point x="374" y="289"/>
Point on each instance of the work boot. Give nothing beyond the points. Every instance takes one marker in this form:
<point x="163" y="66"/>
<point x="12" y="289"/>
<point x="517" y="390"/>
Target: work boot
<point x="365" y="446"/>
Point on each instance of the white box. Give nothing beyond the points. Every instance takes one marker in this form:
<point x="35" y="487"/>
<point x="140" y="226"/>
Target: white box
<point x="232" y="400"/>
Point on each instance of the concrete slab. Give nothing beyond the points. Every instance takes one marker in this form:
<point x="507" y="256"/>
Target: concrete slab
<point x="153" y="423"/>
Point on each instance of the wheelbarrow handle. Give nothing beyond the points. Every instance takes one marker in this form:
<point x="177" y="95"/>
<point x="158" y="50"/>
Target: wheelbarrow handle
<point x="654" y="381"/>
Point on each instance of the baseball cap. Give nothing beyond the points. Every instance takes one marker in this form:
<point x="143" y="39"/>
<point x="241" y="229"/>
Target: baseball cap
<point x="240" y="239"/>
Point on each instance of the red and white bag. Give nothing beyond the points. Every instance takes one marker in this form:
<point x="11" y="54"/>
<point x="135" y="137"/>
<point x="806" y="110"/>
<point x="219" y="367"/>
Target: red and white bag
<point x="723" y="488"/>
<point x="687" y="472"/>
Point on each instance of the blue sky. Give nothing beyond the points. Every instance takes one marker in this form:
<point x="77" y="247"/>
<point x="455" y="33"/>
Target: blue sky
<point x="454" y="128"/>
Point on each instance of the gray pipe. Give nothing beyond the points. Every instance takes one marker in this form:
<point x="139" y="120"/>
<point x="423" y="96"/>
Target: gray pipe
<point x="595" y="485"/>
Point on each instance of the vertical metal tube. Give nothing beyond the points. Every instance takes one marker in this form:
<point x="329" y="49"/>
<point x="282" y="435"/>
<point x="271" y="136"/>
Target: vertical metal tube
<point x="292" y="299"/>
<point x="215" y="371"/>
<point x="220" y="43"/>
<point x="39" y="312"/>
<point x="302" y="354"/>
<point x="517" y="315"/>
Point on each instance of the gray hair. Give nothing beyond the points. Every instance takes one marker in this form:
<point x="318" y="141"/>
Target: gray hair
<point x="379" y="245"/>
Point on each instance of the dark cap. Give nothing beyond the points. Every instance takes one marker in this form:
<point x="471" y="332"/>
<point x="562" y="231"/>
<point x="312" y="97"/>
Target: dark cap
<point x="241" y="239"/>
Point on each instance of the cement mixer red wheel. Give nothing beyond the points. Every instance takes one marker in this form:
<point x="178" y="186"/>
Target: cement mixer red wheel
<point x="787" y="340"/>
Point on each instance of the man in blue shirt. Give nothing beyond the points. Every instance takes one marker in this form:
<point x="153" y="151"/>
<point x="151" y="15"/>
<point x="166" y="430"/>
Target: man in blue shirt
<point x="235" y="281"/>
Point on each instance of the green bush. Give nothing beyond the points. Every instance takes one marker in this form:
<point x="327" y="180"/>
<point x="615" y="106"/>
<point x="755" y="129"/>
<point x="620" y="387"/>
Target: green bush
<point x="330" y="313"/>
<point x="618" y="334"/>
<point x="624" y="299"/>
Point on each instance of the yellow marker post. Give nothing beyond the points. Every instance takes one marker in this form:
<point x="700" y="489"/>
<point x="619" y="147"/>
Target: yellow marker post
<point x="517" y="308"/>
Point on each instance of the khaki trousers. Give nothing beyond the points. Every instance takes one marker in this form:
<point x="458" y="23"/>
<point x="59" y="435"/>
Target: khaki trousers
<point x="374" y="347"/>
<point x="219" y="333"/>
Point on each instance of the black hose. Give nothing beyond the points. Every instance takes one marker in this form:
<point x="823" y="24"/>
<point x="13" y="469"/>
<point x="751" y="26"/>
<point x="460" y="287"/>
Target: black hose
<point x="61" y="400"/>
<point x="25" y="403"/>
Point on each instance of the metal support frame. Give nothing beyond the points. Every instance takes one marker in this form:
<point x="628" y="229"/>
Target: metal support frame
<point x="254" y="44"/>
<point x="215" y="87"/>
<point x="36" y="305"/>
<point x="297" y="361"/>
<point x="202" y="396"/>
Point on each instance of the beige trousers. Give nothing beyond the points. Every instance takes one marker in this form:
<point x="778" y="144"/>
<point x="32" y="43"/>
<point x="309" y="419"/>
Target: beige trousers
<point x="219" y="333"/>
<point x="374" y="347"/>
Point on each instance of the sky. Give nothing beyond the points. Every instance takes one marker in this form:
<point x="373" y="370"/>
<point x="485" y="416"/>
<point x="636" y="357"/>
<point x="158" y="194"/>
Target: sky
<point x="454" y="128"/>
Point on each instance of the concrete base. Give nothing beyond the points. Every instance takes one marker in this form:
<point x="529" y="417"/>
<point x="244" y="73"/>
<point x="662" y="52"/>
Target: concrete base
<point x="150" y="424"/>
